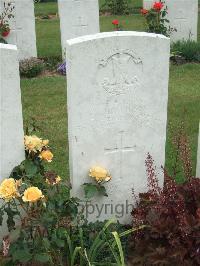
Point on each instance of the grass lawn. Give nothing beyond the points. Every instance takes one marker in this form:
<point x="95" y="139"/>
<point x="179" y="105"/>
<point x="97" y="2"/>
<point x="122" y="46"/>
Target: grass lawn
<point x="44" y="98"/>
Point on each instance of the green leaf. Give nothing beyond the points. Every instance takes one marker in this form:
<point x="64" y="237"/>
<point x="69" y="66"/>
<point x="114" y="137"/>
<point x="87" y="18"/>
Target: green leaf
<point x="60" y="243"/>
<point x="102" y="191"/>
<point x="90" y="190"/>
<point x="30" y="168"/>
<point x="41" y="257"/>
<point x="119" y="245"/>
<point x="21" y="255"/>
<point x="14" y="234"/>
<point x="1" y="216"/>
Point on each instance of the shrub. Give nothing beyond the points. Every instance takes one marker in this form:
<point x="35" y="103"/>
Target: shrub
<point x="30" y="68"/>
<point x="156" y="19"/>
<point x="188" y="49"/>
<point x="171" y="215"/>
<point x="117" y="7"/>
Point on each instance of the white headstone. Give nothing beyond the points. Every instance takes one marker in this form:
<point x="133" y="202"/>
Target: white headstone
<point x="11" y="131"/>
<point x="22" y="27"/>
<point x="183" y="16"/>
<point x="11" y="140"/>
<point x="198" y="156"/>
<point x="117" y="108"/>
<point x="78" y="18"/>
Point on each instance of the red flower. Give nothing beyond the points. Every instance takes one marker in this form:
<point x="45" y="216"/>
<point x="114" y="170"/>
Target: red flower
<point x="5" y="33"/>
<point x="115" y="22"/>
<point x="144" y="11"/>
<point x="158" y="6"/>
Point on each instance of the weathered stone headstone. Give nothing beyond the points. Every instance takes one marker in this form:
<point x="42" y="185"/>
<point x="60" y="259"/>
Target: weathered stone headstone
<point x="183" y="17"/>
<point x="11" y="141"/>
<point x="117" y="106"/>
<point x="198" y="156"/>
<point x="22" y="27"/>
<point x="11" y="131"/>
<point x="77" y="18"/>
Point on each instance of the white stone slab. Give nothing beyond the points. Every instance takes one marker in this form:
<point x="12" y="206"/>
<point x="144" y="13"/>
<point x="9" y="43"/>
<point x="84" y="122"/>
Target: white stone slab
<point x="198" y="156"/>
<point x="183" y="16"/>
<point x="22" y="28"/>
<point x="78" y="18"/>
<point x="11" y="130"/>
<point x="11" y="141"/>
<point x="117" y="108"/>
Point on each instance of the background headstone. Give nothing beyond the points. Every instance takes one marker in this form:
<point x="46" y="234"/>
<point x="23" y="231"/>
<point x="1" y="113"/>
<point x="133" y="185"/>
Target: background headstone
<point x="147" y="4"/>
<point x="117" y="109"/>
<point x="198" y="156"/>
<point x="183" y="16"/>
<point x="77" y="18"/>
<point x="22" y="27"/>
<point x="11" y="131"/>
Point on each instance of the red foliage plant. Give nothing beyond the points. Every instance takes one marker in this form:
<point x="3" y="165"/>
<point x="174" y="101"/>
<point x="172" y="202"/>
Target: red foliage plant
<point x="172" y="218"/>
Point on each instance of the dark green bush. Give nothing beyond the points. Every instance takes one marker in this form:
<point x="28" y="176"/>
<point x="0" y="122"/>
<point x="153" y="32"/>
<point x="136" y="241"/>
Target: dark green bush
<point x="31" y="68"/>
<point x="117" y="7"/>
<point x="190" y="50"/>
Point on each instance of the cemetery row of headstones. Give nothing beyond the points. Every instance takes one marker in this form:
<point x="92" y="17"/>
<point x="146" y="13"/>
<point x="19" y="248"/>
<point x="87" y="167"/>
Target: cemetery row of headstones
<point x="78" y="18"/>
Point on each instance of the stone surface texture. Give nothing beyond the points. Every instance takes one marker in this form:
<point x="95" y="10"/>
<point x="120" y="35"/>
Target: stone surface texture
<point x="198" y="156"/>
<point x="11" y="131"/>
<point x="22" y="28"/>
<point x="183" y="16"/>
<point x="11" y="145"/>
<point x="117" y="113"/>
<point x="77" y="18"/>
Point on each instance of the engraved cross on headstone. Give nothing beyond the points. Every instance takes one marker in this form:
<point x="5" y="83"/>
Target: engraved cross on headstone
<point x="120" y="148"/>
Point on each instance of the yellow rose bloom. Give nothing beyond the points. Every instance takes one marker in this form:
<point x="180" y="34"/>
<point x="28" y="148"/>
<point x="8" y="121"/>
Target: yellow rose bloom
<point x="33" y="143"/>
<point x="32" y="194"/>
<point x="53" y="182"/>
<point x="46" y="155"/>
<point x="8" y="189"/>
<point x="100" y="174"/>
<point x="45" y="142"/>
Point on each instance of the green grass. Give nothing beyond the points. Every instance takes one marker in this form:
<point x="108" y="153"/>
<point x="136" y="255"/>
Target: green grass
<point x="44" y="99"/>
<point x="48" y="37"/>
<point x="44" y="9"/>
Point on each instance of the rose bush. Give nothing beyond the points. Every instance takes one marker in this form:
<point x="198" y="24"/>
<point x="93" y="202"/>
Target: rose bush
<point x="156" y="19"/>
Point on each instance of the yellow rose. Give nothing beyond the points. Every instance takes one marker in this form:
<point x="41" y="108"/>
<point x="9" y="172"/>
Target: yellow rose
<point x="45" y="142"/>
<point x="33" y="143"/>
<point x="46" y="155"/>
<point x="8" y="189"/>
<point x="53" y="182"/>
<point x="32" y="194"/>
<point x="100" y="174"/>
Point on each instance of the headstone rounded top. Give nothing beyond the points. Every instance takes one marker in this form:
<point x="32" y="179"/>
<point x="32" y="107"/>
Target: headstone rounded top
<point x="114" y="34"/>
